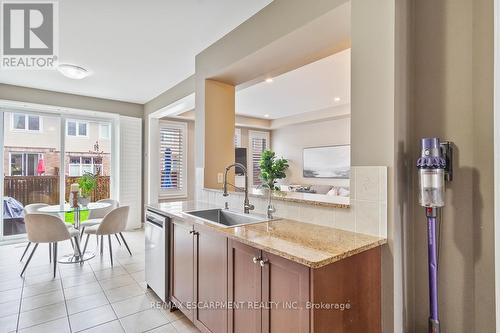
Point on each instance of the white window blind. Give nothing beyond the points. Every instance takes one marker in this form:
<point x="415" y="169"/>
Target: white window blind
<point x="258" y="141"/>
<point x="173" y="160"/>
<point x="130" y="171"/>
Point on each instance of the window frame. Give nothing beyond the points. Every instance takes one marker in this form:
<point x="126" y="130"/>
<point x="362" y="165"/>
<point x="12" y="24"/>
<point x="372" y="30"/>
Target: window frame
<point x="26" y="123"/>
<point x="24" y="155"/>
<point x="77" y="128"/>
<point x="80" y="165"/>
<point x="108" y="137"/>
<point x="174" y="193"/>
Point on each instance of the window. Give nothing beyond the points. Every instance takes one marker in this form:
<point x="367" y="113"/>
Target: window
<point x="78" y="165"/>
<point x="237" y="138"/>
<point x="173" y="162"/>
<point x="76" y="128"/>
<point x="104" y="131"/>
<point x="24" y="164"/>
<point x="24" y="122"/>
<point x="258" y="142"/>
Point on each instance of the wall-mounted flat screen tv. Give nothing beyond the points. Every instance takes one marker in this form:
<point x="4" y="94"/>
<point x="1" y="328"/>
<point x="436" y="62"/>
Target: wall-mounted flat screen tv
<point x="327" y="162"/>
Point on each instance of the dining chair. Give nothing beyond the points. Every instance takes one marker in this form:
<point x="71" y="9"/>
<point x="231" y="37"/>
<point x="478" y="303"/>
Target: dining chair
<point x="113" y="223"/>
<point x="96" y="216"/>
<point x="46" y="228"/>
<point x="31" y="209"/>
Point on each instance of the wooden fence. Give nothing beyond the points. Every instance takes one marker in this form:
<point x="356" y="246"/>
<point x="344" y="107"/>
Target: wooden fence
<point x="101" y="192"/>
<point x="36" y="189"/>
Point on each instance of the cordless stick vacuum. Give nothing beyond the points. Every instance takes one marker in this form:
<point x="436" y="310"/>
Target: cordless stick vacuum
<point x="435" y="166"/>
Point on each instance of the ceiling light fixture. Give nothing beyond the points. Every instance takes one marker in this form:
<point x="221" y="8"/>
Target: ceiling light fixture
<point x="266" y="115"/>
<point x="72" y="71"/>
<point x="269" y="80"/>
<point x="337" y="99"/>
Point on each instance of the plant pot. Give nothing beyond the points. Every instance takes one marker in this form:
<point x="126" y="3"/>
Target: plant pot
<point x="84" y="201"/>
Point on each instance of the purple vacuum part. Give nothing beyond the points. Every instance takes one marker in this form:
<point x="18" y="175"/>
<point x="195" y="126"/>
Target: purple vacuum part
<point x="433" y="290"/>
<point x="431" y="157"/>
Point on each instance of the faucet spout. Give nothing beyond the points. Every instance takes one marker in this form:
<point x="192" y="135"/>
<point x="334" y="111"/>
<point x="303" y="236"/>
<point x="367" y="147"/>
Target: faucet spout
<point x="247" y="206"/>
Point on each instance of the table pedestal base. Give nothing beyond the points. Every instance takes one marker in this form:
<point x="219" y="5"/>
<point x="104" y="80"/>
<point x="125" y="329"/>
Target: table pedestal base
<point x="72" y="259"/>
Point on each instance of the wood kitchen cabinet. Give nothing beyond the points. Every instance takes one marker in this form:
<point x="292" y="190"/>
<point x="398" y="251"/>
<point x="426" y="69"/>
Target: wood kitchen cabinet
<point x="199" y="276"/>
<point x="267" y="293"/>
<point x="285" y="286"/>
<point x="182" y="267"/>
<point x="210" y="279"/>
<point x="244" y="285"/>
<point x="271" y="291"/>
<point x="342" y="297"/>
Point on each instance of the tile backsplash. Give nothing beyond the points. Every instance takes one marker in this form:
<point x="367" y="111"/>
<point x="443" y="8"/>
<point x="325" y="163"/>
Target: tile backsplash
<point x="367" y="213"/>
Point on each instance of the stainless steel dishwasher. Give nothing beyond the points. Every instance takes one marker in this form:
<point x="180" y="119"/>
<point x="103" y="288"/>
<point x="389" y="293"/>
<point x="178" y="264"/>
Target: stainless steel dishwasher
<point x="157" y="257"/>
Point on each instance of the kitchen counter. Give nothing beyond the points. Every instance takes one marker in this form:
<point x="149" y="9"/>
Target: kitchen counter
<point x="308" y="244"/>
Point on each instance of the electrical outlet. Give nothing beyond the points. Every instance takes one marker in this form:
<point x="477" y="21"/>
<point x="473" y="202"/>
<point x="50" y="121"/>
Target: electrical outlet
<point x="220" y="178"/>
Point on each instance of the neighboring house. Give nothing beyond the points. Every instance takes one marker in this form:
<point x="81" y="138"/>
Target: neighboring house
<point x="32" y="144"/>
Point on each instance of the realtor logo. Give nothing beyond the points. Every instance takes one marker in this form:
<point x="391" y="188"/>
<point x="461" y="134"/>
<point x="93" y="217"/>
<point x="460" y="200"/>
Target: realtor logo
<point x="29" y="35"/>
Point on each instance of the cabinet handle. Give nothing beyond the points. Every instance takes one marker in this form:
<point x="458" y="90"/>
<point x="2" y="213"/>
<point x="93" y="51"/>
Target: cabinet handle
<point x="256" y="260"/>
<point x="263" y="262"/>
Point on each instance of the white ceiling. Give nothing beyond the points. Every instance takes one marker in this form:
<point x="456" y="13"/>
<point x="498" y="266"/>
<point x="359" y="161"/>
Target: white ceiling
<point x="309" y="88"/>
<point x="135" y="49"/>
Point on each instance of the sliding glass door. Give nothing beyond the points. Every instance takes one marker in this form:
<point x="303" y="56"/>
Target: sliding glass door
<point x="88" y="151"/>
<point x="43" y="154"/>
<point x="31" y="165"/>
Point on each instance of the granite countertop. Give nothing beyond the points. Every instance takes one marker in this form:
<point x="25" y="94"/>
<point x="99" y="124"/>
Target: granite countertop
<point x="299" y="197"/>
<point x="308" y="244"/>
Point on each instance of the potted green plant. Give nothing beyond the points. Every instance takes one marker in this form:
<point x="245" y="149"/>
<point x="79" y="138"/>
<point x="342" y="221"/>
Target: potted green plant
<point x="87" y="183"/>
<point x="271" y="169"/>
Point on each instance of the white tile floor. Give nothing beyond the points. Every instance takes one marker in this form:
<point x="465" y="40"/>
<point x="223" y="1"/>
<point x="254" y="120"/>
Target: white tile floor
<point x="93" y="297"/>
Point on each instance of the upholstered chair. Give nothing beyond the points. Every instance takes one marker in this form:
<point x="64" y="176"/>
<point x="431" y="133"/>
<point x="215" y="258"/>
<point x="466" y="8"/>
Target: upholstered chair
<point x="45" y="228"/>
<point x="113" y="223"/>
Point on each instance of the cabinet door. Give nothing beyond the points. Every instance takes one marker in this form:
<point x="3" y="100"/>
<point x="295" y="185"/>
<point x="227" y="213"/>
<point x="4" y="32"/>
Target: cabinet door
<point x="244" y="288"/>
<point x="182" y="267"/>
<point x="210" y="281"/>
<point x="285" y="289"/>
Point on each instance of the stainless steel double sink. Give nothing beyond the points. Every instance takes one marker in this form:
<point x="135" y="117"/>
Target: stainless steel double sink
<point x="226" y="218"/>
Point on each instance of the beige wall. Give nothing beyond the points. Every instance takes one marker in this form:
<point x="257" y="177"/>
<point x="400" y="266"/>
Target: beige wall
<point x="48" y="142"/>
<point x="52" y="98"/>
<point x="373" y="129"/>
<point x="289" y="142"/>
<point x="219" y="131"/>
<point x="86" y="144"/>
<point x="453" y="100"/>
<point x="177" y="92"/>
<point x="48" y="137"/>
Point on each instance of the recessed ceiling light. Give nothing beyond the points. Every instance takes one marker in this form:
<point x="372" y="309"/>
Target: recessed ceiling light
<point x="266" y="115"/>
<point x="337" y="99"/>
<point x="72" y="71"/>
<point x="269" y="80"/>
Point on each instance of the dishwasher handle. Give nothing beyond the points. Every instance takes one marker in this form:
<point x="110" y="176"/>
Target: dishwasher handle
<point x="154" y="220"/>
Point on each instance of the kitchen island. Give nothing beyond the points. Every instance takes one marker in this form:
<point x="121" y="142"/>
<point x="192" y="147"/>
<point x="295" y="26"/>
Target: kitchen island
<point x="275" y="276"/>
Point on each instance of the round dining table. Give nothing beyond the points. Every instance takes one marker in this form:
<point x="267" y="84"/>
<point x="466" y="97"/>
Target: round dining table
<point x="67" y="208"/>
